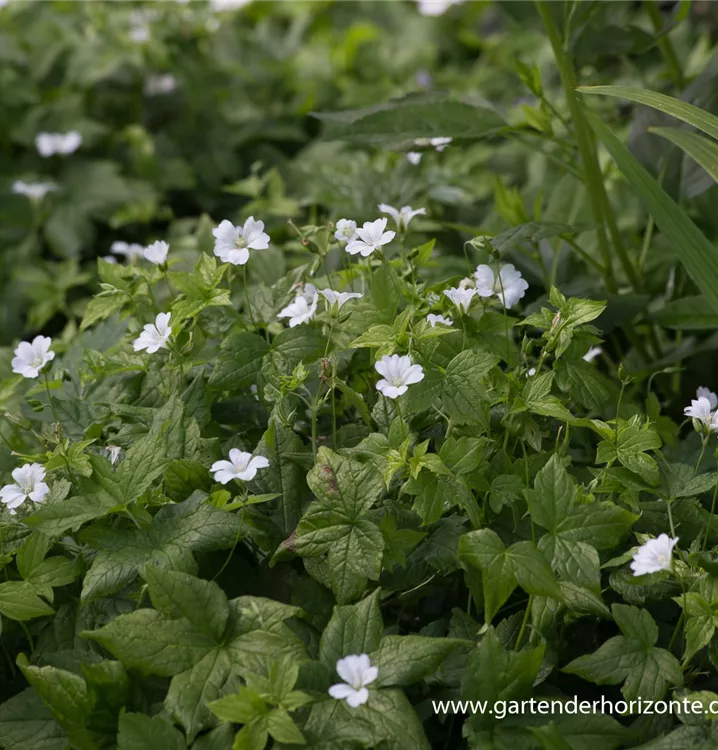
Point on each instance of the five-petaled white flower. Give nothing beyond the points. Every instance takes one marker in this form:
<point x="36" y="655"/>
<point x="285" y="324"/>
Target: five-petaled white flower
<point x="703" y="392"/>
<point x="461" y="297"/>
<point x="232" y="244"/>
<point x="157" y="252"/>
<point x="336" y="300"/>
<point x="371" y="237"/>
<point x="36" y="191"/>
<point x="592" y="353"/>
<point x="399" y="373"/>
<point x="49" y="144"/>
<point x="402" y="216"/>
<point x="130" y="250"/>
<point x="303" y="308"/>
<point x="357" y="672"/>
<point x="155" y="335"/>
<point x="654" y="555"/>
<point x="29" y="483"/>
<point x="508" y="286"/>
<point x="31" y="357"/>
<point x="346" y="230"/>
<point x="434" y="319"/>
<point x="241" y="465"/>
<point x="699" y="409"/>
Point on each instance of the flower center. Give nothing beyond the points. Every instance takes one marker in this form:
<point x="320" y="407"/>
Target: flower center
<point x="240" y="243"/>
<point x="397" y="381"/>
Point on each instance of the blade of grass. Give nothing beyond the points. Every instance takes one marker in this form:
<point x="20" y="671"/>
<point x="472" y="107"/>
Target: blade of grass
<point x="700" y="149"/>
<point x="696" y="253"/>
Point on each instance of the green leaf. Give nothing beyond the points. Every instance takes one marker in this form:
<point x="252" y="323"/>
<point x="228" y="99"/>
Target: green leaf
<point x="102" y="307"/>
<point x="553" y="496"/>
<point x="282" y="728"/>
<point x="688" y="113"/>
<point x="175" y="532"/>
<point x="602" y="524"/>
<point x="687" y="314"/>
<point x="19" y="601"/>
<point x="700" y="149"/>
<point x="141" y="732"/>
<point x="464" y="391"/>
<point x="336" y="522"/>
<point x="353" y="629"/>
<point x="406" y="659"/>
<point x="239" y="362"/>
<point x="631" y="658"/>
<point x="27" y="724"/>
<point x="410" y="118"/>
<point x="691" y="246"/>
<point x="203" y="603"/>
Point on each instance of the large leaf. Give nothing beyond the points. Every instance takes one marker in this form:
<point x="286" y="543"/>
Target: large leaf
<point x="697" y="254"/>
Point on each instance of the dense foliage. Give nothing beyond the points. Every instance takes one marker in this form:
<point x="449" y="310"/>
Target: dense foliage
<point x="286" y="460"/>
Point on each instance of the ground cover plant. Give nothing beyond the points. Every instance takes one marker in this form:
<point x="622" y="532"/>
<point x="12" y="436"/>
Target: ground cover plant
<point x="398" y="393"/>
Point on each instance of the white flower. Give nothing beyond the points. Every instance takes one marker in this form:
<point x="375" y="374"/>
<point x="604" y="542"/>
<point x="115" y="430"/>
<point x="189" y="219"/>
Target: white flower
<point x="130" y="250"/>
<point x="232" y="244"/>
<point x="220" y="5"/>
<point x="303" y="308"/>
<point x="435" y="7"/>
<point x="241" y="465"/>
<point x="346" y="230"/>
<point x="357" y="672"/>
<point x="157" y="252"/>
<point x="439" y="143"/>
<point x="399" y="373"/>
<point x="467" y="283"/>
<point x="33" y="190"/>
<point x="155" y="335"/>
<point x="162" y="84"/>
<point x="403" y="216"/>
<point x="592" y="353"/>
<point x="434" y="319"/>
<point x="460" y="297"/>
<point x="337" y="299"/>
<point x="699" y="409"/>
<point x="113" y="452"/>
<point x="49" y="144"/>
<point x="654" y="555"/>
<point x="370" y="238"/>
<point x="414" y="157"/>
<point x="531" y="372"/>
<point x="707" y="393"/>
<point x="31" y="357"/>
<point x="29" y="483"/>
<point x="508" y="286"/>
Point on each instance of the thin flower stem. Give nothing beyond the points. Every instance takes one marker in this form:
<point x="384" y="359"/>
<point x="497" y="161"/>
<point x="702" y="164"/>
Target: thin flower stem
<point x="520" y="636"/>
<point x="246" y="296"/>
<point x="705" y="440"/>
<point x="710" y="518"/>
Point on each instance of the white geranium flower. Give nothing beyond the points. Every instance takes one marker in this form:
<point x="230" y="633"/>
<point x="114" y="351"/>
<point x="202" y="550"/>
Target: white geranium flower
<point x="700" y="410"/>
<point x="654" y="555"/>
<point x="303" y="308"/>
<point x="113" y="453"/>
<point x="461" y="297"/>
<point x="155" y="335"/>
<point x="439" y="144"/>
<point x="508" y="286"/>
<point x="241" y="465"/>
<point x="29" y="483"/>
<point x="371" y="237"/>
<point x="220" y="5"/>
<point x="707" y="393"/>
<point x="402" y="216"/>
<point x="31" y="357"/>
<point x="399" y="373"/>
<point x="232" y="244"/>
<point x="414" y="157"/>
<point x="434" y="319"/>
<point x="435" y="7"/>
<point x="130" y="250"/>
<point x="49" y="144"/>
<point x="357" y="672"/>
<point x="34" y="190"/>
<point x="346" y="230"/>
<point x="161" y="84"/>
<point x="337" y="299"/>
<point x="157" y="252"/>
<point x="592" y="353"/>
